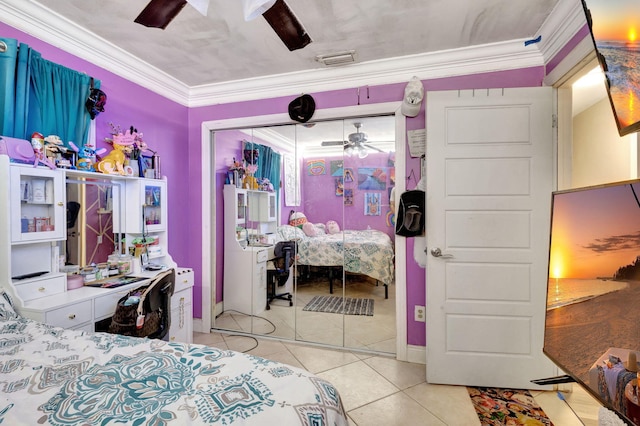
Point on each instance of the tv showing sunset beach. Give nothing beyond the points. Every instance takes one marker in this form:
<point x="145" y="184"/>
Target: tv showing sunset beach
<point x="615" y="27"/>
<point x="593" y="294"/>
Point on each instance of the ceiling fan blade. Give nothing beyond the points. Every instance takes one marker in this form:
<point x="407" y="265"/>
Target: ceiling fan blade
<point x="287" y="26"/>
<point x="333" y="143"/>
<point x="375" y="148"/>
<point x="158" y="13"/>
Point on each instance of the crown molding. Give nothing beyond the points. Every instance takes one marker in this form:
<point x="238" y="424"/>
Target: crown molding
<point x="46" y="25"/>
<point x="562" y="24"/>
<point x="455" y="62"/>
<point x="50" y="27"/>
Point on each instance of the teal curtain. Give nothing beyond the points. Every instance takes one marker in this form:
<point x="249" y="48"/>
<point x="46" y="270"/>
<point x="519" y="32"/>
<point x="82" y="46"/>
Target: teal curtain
<point x="42" y="96"/>
<point x="269" y="162"/>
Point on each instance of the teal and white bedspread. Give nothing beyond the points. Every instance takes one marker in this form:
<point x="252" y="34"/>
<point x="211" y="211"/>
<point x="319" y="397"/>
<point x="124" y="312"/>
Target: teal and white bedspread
<point x="49" y="375"/>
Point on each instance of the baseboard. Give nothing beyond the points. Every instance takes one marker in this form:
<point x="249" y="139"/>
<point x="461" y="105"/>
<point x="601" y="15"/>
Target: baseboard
<point x="197" y="322"/>
<point x="417" y="354"/>
<point x="197" y="325"/>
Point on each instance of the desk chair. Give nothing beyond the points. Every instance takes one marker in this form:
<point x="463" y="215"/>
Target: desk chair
<point x="155" y="300"/>
<point x="285" y="254"/>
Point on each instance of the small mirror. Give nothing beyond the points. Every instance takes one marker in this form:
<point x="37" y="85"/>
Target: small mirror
<point x="93" y="216"/>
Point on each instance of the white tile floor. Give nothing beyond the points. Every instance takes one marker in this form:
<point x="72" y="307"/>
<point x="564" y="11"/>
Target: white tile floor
<point x="378" y="390"/>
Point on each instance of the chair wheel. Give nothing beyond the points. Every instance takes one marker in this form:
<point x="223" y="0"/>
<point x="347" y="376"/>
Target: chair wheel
<point x="290" y="303"/>
<point x="268" y="307"/>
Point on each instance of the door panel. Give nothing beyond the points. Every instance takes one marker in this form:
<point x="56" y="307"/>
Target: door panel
<point x="489" y="182"/>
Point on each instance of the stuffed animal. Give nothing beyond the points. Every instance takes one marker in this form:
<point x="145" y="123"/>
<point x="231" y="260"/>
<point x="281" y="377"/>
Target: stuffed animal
<point x="86" y="156"/>
<point x="333" y="227"/>
<point x="114" y="162"/>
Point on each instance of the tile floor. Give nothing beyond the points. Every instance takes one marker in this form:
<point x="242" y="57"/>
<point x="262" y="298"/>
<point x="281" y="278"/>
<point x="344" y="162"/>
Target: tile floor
<point x="378" y="390"/>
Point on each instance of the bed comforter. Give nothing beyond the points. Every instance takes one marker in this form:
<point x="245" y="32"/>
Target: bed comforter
<point x="368" y="252"/>
<point x="50" y="375"/>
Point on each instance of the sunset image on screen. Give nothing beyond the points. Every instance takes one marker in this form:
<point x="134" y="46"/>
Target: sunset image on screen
<point x="615" y="28"/>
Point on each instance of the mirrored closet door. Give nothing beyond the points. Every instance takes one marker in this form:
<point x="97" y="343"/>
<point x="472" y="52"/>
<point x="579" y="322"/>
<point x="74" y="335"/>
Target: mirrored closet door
<point x="306" y="244"/>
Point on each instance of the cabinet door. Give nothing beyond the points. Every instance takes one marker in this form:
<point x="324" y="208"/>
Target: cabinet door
<point x="37" y="204"/>
<point x="181" y="329"/>
<point x="154" y="205"/>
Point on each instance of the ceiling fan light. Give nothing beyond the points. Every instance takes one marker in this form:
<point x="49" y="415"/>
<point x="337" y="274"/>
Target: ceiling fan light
<point x="255" y="8"/>
<point x="348" y="151"/>
<point x="362" y="152"/>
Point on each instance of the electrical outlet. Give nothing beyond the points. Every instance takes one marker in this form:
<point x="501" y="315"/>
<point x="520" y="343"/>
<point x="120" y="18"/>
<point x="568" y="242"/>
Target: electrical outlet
<point x="419" y="313"/>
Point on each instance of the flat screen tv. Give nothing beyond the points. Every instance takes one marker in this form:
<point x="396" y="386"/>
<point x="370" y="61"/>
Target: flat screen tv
<point x="615" y="29"/>
<point x="593" y="294"/>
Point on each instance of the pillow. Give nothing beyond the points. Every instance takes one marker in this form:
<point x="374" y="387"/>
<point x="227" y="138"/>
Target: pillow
<point x="333" y="227"/>
<point x="6" y="307"/>
<point x="297" y="219"/>
<point x="309" y="229"/>
<point x="288" y="232"/>
<point x="321" y="229"/>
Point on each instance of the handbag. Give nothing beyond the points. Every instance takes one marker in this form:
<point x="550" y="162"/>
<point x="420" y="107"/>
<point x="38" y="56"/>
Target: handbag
<point x="132" y="320"/>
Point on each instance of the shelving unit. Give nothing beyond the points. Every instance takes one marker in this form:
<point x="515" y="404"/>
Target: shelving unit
<point x="33" y="230"/>
<point x="245" y="261"/>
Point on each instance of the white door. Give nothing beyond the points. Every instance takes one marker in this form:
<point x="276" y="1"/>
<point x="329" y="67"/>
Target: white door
<point x="489" y="183"/>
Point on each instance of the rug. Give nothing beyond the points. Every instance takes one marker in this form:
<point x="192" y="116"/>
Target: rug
<point x="340" y="305"/>
<point x="497" y="407"/>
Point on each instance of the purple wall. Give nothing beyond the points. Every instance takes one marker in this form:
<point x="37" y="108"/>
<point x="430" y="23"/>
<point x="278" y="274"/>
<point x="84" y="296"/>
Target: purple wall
<point x="416" y="334"/>
<point x="175" y="132"/>
<point x="163" y="123"/>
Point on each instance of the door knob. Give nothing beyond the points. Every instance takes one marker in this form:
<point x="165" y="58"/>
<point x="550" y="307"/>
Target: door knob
<point x="436" y="252"/>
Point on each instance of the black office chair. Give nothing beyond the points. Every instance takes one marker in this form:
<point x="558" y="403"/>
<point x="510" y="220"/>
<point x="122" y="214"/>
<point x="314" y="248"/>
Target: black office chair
<point x="285" y="254"/>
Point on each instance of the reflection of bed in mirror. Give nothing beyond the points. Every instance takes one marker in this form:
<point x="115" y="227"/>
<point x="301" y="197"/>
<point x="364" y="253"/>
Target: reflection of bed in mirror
<point x="368" y="252"/>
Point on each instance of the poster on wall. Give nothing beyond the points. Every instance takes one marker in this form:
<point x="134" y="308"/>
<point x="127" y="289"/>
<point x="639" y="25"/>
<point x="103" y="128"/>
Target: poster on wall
<point x="348" y="175"/>
<point x="372" y="204"/>
<point x="339" y="187"/>
<point x="348" y="197"/>
<point x="372" y="178"/>
<point x="291" y="179"/>
<point x="336" y="167"/>
<point x="316" y="167"/>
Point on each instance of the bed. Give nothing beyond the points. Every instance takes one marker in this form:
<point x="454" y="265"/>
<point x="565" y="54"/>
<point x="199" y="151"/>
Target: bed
<point x="369" y="252"/>
<point x="50" y="375"/>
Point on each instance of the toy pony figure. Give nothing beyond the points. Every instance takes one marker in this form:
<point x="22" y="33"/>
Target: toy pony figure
<point x="114" y="162"/>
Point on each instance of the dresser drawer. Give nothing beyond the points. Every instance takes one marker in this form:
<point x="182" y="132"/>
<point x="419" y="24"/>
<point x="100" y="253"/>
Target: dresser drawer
<point x="184" y="279"/>
<point x="35" y="289"/>
<point x="70" y="316"/>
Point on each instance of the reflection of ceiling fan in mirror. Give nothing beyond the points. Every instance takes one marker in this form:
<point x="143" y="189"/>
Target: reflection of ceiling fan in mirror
<point x="356" y="143"/>
<point x="159" y="13"/>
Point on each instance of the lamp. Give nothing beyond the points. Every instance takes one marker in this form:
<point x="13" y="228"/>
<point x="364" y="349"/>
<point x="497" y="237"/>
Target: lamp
<point x="362" y="152"/>
<point x="255" y="8"/>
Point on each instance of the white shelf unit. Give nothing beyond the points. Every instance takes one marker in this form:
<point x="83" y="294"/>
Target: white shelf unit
<point x="45" y="297"/>
<point x="245" y="265"/>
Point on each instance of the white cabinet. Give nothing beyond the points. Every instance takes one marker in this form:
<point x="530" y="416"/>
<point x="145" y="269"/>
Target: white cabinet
<point x="146" y="206"/>
<point x="262" y="206"/>
<point x="181" y="329"/>
<point x="37" y="200"/>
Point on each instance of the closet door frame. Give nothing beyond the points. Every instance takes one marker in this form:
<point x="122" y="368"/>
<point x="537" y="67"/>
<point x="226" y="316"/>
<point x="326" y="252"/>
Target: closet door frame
<point x="208" y="128"/>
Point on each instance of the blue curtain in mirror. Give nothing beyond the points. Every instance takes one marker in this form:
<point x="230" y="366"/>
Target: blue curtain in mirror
<point x="42" y="96"/>
<point x="269" y="162"/>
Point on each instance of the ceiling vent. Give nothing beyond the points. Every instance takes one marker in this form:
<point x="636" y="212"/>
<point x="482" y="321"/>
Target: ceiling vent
<point x="340" y="58"/>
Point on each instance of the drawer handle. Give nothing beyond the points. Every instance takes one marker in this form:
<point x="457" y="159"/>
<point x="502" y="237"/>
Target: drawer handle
<point x="72" y="316"/>
<point x="172" y="339"/>
<point x="185" y="281"/>
<point x="60" y="203"/>
<point x="41" y="289"/>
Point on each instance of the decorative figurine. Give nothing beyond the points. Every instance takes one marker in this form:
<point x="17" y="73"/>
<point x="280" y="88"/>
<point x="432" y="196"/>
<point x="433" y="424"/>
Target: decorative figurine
<point x="37" y="143"/>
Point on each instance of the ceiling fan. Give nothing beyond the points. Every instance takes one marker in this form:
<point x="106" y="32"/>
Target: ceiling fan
<point x="159" y="13"/>
<point x="356" y="143"/>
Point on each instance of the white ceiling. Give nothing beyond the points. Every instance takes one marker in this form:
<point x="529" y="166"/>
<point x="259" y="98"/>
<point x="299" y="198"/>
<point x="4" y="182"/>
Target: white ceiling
<point x="221" y="47"/>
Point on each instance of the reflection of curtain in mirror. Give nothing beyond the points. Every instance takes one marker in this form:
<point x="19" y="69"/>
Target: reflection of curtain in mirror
<point x="268" y="162"/>
<point x="291" y="182"/>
